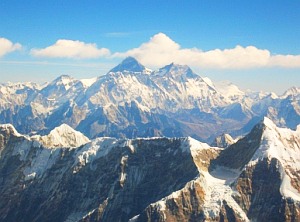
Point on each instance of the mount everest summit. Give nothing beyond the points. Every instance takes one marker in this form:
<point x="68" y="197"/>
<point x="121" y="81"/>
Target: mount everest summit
<point x="133" y="101"/>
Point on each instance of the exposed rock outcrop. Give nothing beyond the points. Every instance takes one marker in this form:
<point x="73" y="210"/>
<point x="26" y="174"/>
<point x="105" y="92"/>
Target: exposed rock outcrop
<point x="223" y="141"/>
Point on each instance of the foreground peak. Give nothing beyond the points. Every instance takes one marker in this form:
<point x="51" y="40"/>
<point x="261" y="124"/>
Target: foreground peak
<point x="129" y="64"/>
<point x="63" y="136"/>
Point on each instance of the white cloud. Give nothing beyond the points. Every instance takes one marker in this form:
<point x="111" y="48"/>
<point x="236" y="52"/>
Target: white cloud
<point x="286" y="61"/>
<point x="161" y="50"/>
<point x="71" y="49"/>
<point x="6" y="46"/>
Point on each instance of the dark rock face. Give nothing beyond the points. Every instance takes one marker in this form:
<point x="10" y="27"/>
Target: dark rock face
<point x="138" y="190"/>
<point x="114" y="187"/>
<point x="186" y="207"/>
<point x="240" y="153"/>
<point x="259" y="187"/>
<point x="260" y="197"/>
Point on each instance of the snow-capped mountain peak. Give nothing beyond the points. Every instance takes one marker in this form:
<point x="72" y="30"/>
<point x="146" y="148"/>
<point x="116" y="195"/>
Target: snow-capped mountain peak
<point x="176" y="71"/>
<point x="62" y="136"/>
<point x="64" y="80"/>
<point x="209" y="82"/>
<point x="282" y="144"/>
<point x="278" y="143"/>
<point x="129" y="64"/>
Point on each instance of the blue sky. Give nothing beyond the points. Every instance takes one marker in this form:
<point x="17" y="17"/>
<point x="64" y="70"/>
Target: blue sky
<point x="255" y="44"/>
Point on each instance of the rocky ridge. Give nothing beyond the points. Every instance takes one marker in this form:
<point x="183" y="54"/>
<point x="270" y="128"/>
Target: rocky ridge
<point x="153" y="179"/>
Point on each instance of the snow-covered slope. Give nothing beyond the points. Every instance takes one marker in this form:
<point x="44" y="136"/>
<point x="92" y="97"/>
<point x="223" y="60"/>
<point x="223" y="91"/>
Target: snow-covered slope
<point x="186" y="89"/>
<point x="13" y="94"/>
<point x="88" y="82"/>
<point x="229" y="90"/>
<point x="169" y="89"/>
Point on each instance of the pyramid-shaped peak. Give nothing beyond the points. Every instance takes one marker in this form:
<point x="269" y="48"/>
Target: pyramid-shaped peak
<point x="63" y="128"/>
<point x="62" y="136"/>
<point x="63" y="80"/>
<point x="129" y="64"/>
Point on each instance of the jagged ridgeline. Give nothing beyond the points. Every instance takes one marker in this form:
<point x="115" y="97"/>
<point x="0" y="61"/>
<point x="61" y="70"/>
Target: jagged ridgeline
<point x="125" y="147"/>
<point x="133" y="101"/>
<point x="64" y="176"/>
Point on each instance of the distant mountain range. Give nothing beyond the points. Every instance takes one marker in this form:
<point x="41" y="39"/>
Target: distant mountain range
<point x="63" y="176"/>
<point x="132" y="101"/>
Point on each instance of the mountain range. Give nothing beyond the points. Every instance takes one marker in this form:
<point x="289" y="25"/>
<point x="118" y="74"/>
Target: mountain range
<point x="132" y="101"/>
<point x="72" y="178"/>
<point x="125" y="146"/>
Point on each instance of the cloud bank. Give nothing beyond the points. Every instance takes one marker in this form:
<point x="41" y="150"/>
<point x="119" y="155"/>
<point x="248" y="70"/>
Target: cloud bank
<point x="161" y="50"/>
<point x="6" y="46"/>
<point x="71" y="49"/>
